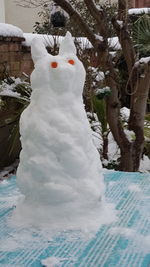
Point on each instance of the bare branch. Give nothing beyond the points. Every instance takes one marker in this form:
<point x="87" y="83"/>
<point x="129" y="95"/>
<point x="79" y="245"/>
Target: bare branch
<point x="123" y="34"/>
<point x="98" y="15"/>
<point x="122" y="10"/>
<point x="138" y="109"/>
<point x="95" y="12"/>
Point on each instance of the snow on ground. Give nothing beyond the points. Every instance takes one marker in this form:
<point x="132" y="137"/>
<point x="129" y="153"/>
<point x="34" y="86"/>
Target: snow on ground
<point x="52" y="261"/>
<point x="134" y="188"/>
<point x="7" y="172"/>
<point x="10" y="30"/>
<point x="145" y="164"/>
<point x="144" y="241"/>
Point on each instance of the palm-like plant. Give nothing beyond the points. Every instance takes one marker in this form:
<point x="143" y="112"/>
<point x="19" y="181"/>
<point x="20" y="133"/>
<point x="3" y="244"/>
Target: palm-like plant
<point x="14" y="98"/>
<point x="141" y="35"/>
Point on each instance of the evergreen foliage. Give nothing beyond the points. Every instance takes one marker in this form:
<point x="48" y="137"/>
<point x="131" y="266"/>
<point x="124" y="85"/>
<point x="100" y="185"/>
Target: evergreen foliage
<point x="141" y="35"/>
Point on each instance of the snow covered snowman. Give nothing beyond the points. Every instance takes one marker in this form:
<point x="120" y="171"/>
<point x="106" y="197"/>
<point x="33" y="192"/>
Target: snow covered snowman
<point x="59" y="166"/>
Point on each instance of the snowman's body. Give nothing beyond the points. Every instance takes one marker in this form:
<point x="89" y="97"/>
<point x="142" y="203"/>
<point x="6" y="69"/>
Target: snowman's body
<point x="58" y="163"/>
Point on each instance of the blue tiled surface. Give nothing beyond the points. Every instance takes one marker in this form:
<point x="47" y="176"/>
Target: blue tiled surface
<point x="125" y="243"/>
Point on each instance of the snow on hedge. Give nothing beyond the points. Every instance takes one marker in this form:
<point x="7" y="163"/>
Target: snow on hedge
<point x="10" y="30"/>
<point x="137" y="11"/>
<point x="50" y="40"/>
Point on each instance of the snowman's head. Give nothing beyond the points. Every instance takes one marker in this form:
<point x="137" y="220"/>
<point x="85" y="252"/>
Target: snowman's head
<point x="60" y="73"/>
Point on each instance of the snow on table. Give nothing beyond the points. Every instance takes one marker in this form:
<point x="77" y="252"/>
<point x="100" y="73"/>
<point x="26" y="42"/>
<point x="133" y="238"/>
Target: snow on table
<point x="124" y="243"/>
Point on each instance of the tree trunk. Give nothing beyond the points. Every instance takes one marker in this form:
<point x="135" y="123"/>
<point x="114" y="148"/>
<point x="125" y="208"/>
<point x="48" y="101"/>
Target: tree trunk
<point x="138" y="109"/>
<point x="105" y="146"/>
<point x="130" y="152"/>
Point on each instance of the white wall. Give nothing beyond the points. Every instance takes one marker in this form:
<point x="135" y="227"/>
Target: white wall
<point x="24" y="18"/>
<point x="2" y="11"/>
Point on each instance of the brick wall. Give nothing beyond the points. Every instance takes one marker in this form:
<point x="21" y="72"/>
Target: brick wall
<point x="14" y="57"/>
<point x="139" y="3"/>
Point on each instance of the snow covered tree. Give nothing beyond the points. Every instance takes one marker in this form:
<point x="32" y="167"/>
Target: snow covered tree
<point x="138" y="74"/>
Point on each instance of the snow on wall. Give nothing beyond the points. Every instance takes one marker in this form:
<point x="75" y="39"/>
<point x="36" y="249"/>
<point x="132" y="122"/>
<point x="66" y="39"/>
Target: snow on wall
<point x="10" y="30"/>
<point x="139" y="10"/>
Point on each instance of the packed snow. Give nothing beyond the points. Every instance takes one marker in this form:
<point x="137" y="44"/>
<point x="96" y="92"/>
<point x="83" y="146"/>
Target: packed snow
<point x="52" y="261"/>
<point x="145" y="164"/>
<point x="134" y="188"/>
<point x="10" y="30"/>
<point x="60" y="172"/>
<point x="140" y="239"/>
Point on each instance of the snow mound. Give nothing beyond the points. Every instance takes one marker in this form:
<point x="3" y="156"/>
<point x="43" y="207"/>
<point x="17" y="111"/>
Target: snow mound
<point x="10" y="30"/>
<point x="60" y="173"/>
<point x="51" y="262"/>
<point x="145" y="164"/>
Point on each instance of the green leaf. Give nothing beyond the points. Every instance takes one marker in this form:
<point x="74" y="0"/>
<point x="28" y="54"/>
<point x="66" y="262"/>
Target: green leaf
<point x="100" y="109"/>
<point x="141" y="34"/>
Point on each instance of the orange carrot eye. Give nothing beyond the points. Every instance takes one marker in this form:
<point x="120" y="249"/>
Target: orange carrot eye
<point x="71" y="61"/>
<point x="54" y="64"/>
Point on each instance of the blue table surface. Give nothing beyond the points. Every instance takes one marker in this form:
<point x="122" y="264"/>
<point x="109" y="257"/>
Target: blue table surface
<point x="124" y="243"/>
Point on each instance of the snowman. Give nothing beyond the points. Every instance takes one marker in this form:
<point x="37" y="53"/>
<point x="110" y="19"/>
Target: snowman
<point x="60" y="168"/>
